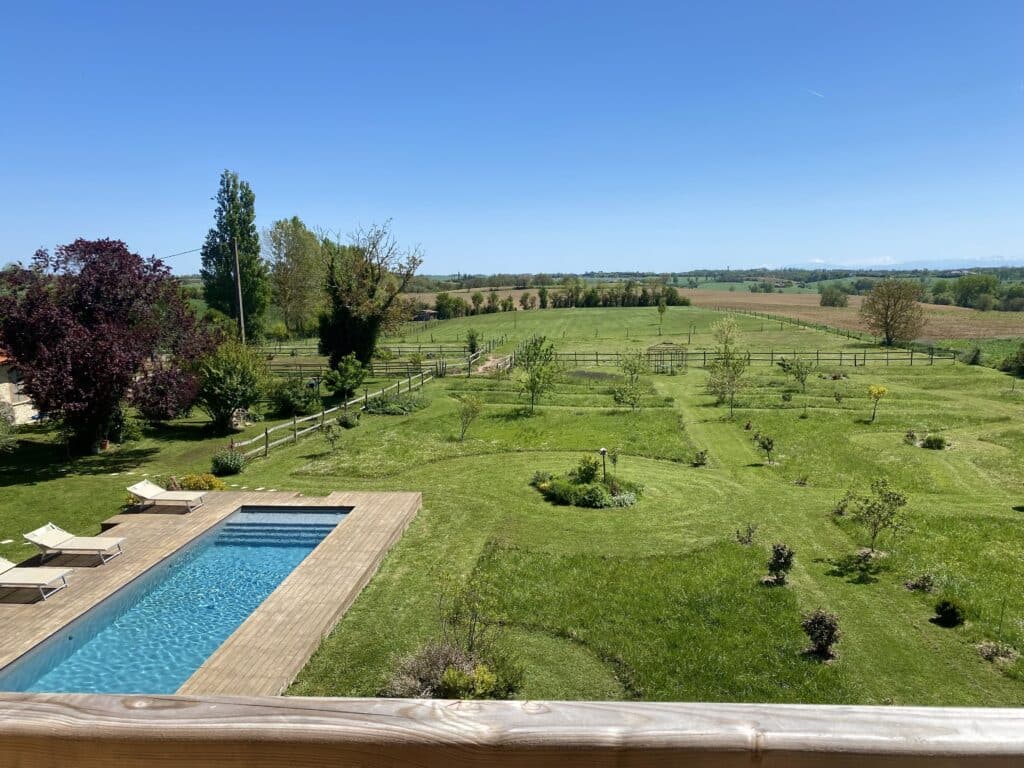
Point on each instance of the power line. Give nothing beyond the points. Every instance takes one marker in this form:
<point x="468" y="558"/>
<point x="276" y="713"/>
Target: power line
<point x="182" y="253"/>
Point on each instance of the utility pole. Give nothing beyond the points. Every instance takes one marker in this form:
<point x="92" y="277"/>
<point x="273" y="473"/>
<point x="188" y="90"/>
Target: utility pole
<point x="238" y="286"/>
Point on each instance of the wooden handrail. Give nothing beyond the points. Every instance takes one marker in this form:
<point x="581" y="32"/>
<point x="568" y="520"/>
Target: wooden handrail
<point x="88" y="731"/>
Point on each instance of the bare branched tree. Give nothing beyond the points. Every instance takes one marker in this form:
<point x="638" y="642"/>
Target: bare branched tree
<point x="365" y="279"/>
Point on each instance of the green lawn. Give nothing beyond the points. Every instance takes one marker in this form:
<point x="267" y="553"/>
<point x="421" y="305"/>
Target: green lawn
<point x="658" y="601"/>
<point x="660" y="596"/>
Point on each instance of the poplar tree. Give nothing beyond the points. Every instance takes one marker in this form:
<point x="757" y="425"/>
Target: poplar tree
<point x="235" y="224"/>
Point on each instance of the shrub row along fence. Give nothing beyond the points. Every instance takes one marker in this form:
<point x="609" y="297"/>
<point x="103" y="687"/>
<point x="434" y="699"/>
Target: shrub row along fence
<point x="298" y="427"/>
<point x="701" y="357"/>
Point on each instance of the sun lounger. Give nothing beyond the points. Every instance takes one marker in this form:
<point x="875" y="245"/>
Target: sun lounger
<point x="52" y="540"/>
<point x="153" y="494"/>
<point x="46" y="580"/>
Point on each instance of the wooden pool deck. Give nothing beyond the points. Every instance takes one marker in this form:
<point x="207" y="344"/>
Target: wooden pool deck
<point x="266" y="652"/>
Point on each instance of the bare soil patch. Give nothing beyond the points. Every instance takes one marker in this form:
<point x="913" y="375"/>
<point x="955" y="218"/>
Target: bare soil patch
<point x="943" y="322"/>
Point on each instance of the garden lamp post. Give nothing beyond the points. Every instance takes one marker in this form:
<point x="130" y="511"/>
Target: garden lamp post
<point x="604" y="464"/>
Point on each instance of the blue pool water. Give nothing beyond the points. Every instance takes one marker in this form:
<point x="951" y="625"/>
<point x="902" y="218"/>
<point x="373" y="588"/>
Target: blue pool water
<point x="153" y="634"/>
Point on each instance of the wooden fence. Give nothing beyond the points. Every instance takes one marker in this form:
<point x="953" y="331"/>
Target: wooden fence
<point x="428" y="351"/>
<point x="138" y="731"/>
<point x="317" y="421"/>
<point x="659" y="359"/>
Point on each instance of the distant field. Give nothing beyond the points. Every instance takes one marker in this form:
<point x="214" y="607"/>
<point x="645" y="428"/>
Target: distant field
<point x="615" y="328"/>
<point x="943" y="322"/>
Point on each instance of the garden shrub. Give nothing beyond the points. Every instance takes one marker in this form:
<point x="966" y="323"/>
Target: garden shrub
<point x="395" y="405"/>
<point x="822" y="628"/>
<point x="586" y="471"/>
<point x="463" y="662"/>
<point x="779" y="564"/>
<point x="787" y="397"/>
<point x="594" y="496"/>
<point x="971" y="356"/>
<point x="456" y="683"/>
<point x="346" y="378"/>
<point x="934" y="442"/>
<point x="560" y="491"/>
<point x="539" y="477"/>
<point x="204" y="482"/>
<point x="700" y="459"/>
<point x="293" y="397"/>
<point x="910" y="438"/>
<point x="124" y="427"/>
<point x="348" y="419"/>
<point x="581" y="487"/>
<point x="950" y="612"/>
<point x="227" y="462"/>
<point x="165" y="394"/>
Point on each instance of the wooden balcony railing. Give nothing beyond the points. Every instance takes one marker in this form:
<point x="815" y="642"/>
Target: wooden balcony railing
<point x="87" y="731"/>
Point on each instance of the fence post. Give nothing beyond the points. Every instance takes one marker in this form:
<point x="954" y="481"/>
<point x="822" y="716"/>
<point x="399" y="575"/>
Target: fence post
<point x="366" y="396"/>
<point x="266" y="442"/>
<point x="817" y="357"/>
<point x="295" y="430"/>
<point x="911" y="355"/>
<point x="705" y="358"/>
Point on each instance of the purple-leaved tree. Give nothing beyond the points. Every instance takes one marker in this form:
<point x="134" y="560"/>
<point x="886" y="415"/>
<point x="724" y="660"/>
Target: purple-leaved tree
<point x="88" y="325"/>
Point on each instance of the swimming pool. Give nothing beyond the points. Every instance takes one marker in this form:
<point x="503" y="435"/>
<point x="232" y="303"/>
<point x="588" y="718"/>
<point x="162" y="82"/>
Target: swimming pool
<point x="150" y="636"/>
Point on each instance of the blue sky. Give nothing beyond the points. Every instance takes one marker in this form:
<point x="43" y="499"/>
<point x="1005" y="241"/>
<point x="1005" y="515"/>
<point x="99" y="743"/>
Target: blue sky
<point x="526" y="136"/>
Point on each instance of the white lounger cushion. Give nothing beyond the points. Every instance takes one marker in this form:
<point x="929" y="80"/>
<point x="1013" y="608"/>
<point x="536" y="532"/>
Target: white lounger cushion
<point x="13" y="576"/>
<point x="153" y="492"/>
<point x="52" y="537"/>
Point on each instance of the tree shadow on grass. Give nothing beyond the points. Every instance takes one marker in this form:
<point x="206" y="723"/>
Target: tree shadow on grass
<point x="183" y="432"/>
<point x="853" y="568"/>
<point x="1019" y="508"/>
<point x="515" y="414"/>
<point x="34" y="462"/>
